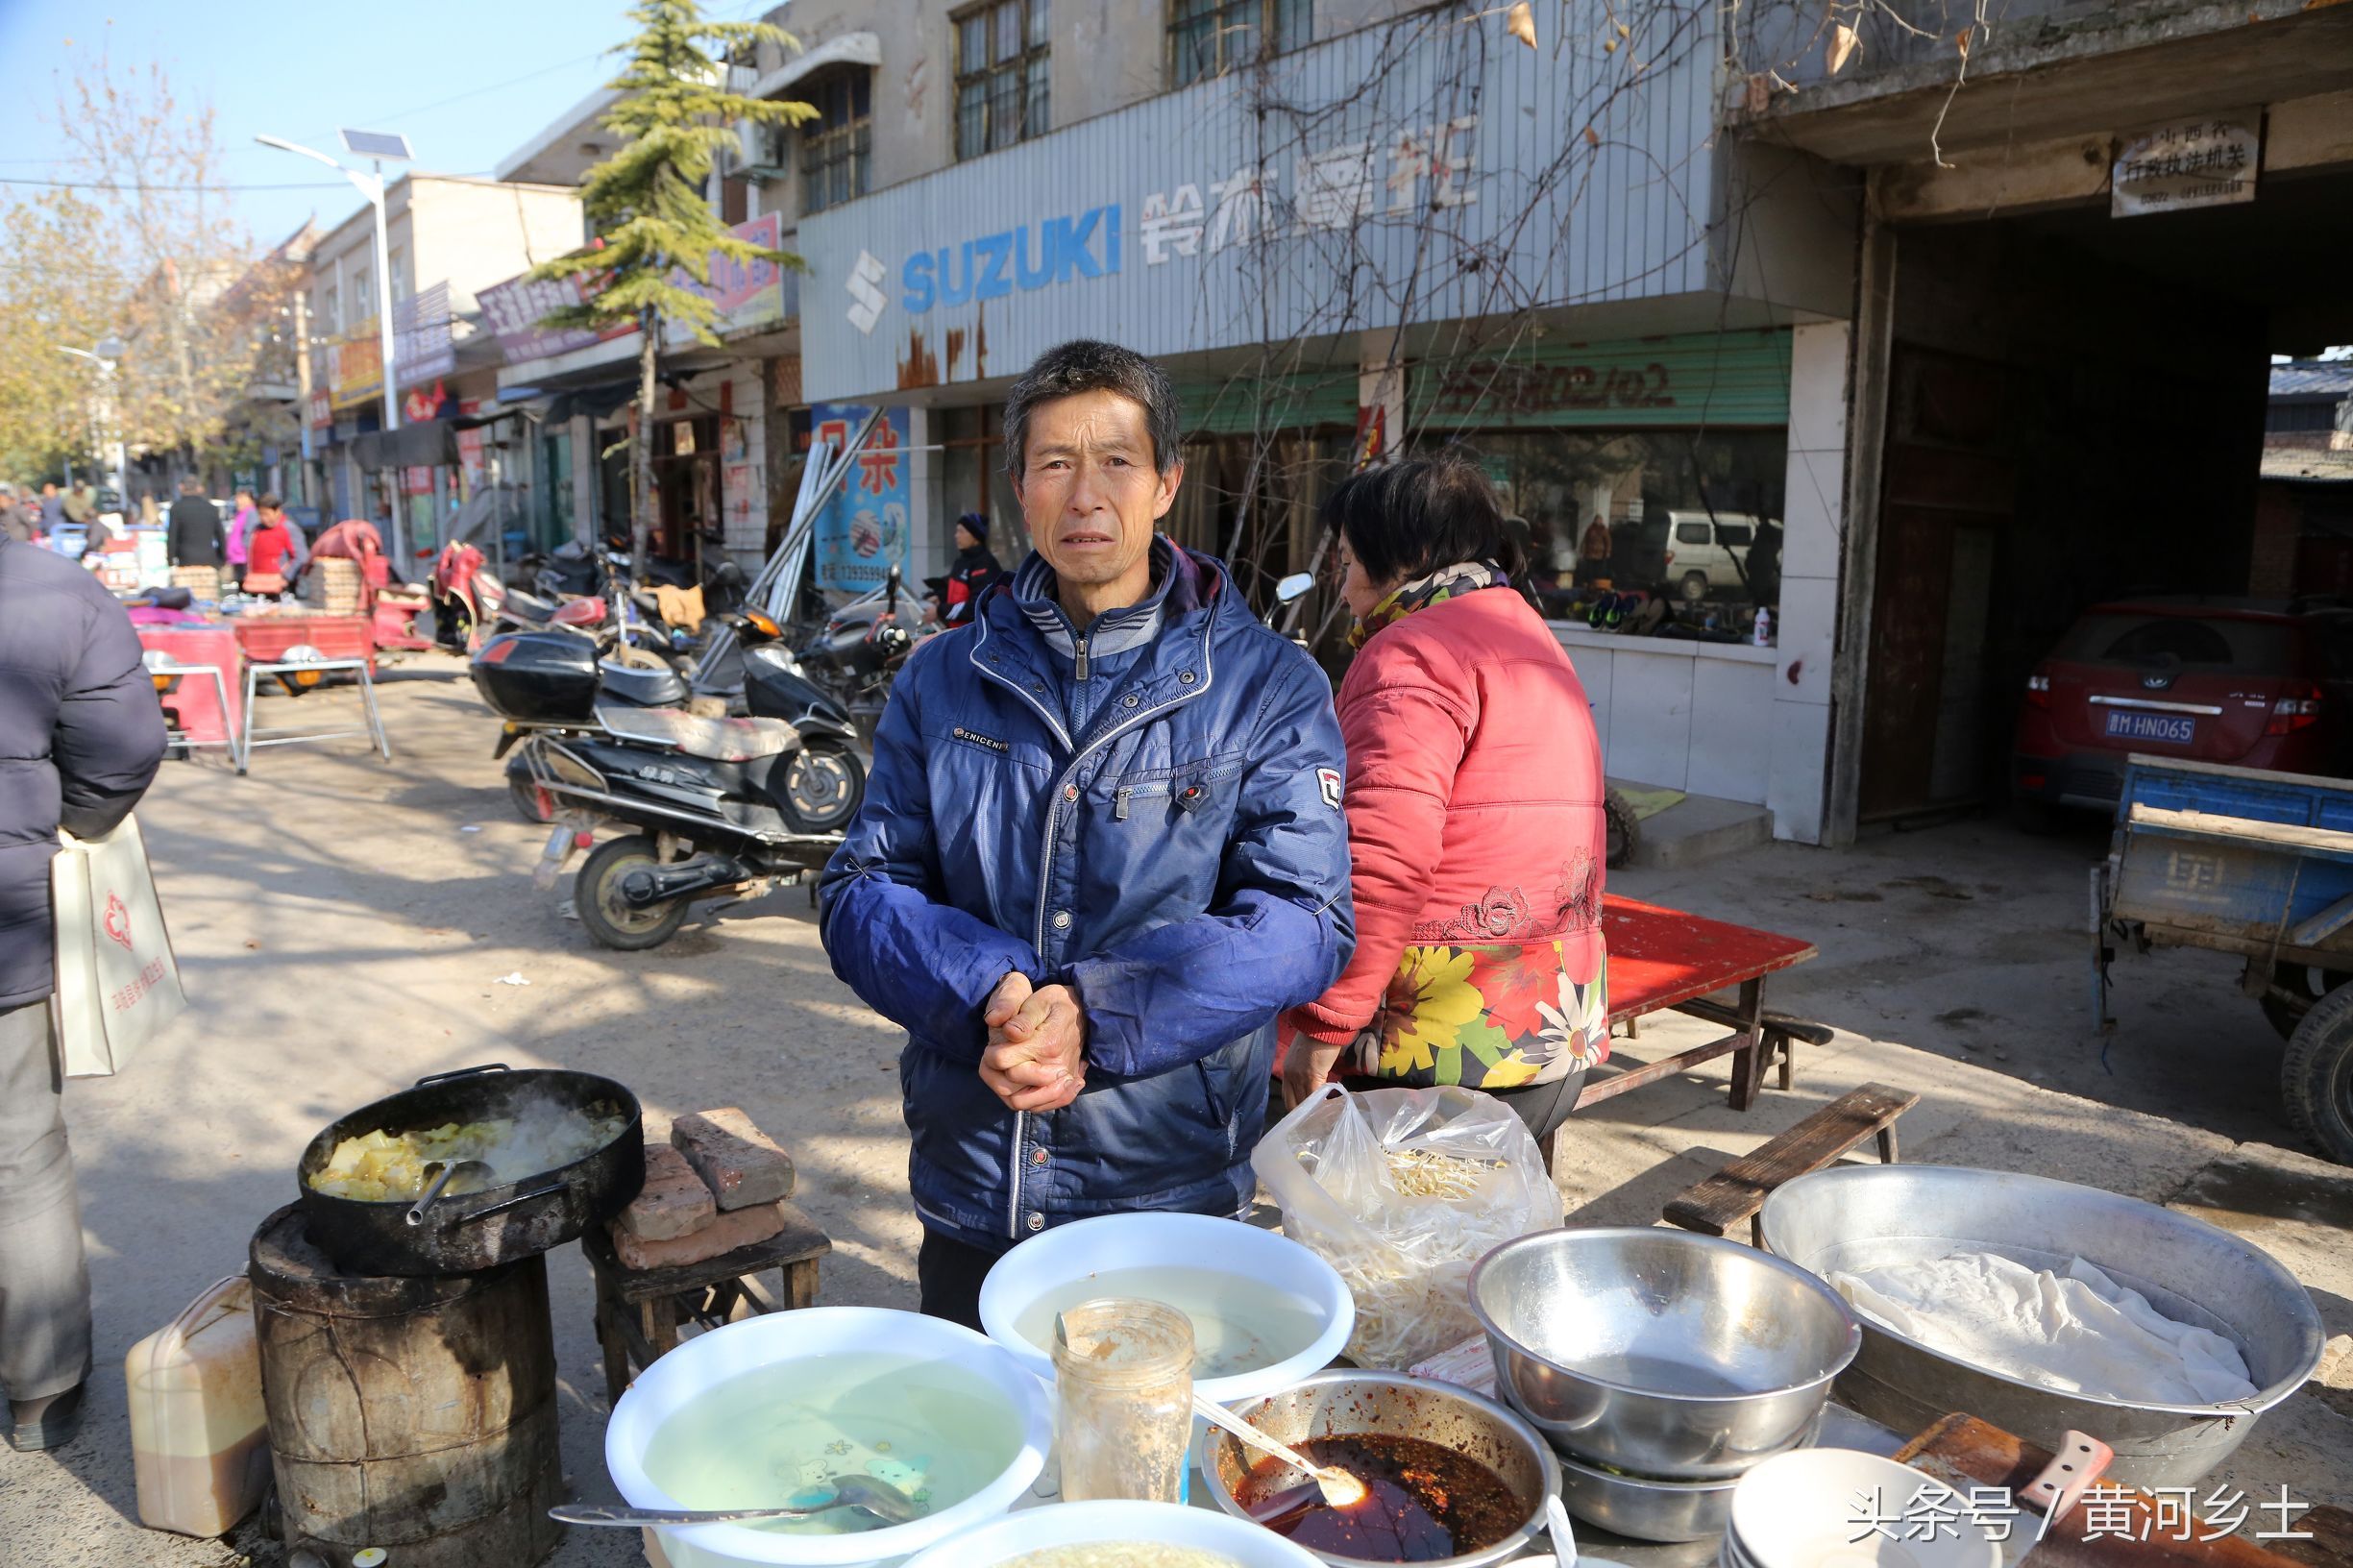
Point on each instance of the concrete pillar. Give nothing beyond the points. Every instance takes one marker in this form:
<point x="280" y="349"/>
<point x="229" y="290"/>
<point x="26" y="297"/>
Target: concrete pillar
<point x="1807" y="620"/>
<point x="1875" y="274"/>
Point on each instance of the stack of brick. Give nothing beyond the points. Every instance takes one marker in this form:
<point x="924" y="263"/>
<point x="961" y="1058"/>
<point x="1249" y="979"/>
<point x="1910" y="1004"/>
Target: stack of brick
<point x="331" y="586"/>
<point x="719" y="1184"/>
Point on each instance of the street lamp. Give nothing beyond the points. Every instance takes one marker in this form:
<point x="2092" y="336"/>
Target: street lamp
<point x="372" y="186"/>
<point x="104" y="353"/>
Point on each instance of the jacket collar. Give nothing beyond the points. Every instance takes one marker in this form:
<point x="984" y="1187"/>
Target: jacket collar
<point x="1115" y="631"/>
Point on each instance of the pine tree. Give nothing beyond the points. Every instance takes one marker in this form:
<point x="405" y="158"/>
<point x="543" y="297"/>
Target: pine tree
<point x="646" y="202"/>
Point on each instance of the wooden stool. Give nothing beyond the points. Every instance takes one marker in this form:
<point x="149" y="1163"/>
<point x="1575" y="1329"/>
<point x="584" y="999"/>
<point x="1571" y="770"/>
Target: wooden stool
<point x="1738" y="1192"/>
<point x="639" y="1312"/>
<point x="1779" y="1029"/>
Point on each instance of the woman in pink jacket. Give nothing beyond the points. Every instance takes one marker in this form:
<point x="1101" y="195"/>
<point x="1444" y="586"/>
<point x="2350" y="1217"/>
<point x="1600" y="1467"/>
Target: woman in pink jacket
<point x="1474" y="800"/>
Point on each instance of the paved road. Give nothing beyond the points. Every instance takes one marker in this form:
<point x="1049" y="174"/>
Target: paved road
<point x="343" y="926"/>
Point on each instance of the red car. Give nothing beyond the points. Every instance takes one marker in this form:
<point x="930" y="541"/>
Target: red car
<point x="2237" y="681"/>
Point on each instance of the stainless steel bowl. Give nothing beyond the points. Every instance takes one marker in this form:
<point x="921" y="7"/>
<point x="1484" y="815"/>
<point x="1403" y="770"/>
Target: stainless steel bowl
<point x="1864" y="1216"/>
<point x="1341" y="1404"/>
<point x="1671" y="1355"/>
<point x="1648" y="1511"/>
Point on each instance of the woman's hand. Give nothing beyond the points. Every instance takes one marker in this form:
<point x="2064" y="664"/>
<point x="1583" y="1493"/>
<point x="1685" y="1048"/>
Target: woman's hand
<point x="1305" y="1068"/>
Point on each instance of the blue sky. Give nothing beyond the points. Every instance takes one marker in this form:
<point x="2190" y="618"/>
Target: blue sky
<point x="303" y="70"/>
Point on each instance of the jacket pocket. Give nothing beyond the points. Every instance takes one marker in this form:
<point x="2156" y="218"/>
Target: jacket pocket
<point x="1197" y="789"/>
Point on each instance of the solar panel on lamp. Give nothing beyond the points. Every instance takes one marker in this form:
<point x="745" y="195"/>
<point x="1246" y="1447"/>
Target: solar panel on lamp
<point x="375" y="144"/>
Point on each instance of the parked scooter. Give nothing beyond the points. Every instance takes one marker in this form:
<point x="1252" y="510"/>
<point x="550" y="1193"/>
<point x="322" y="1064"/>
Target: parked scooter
<point x="858" y="652"/>
<point x="717" y="804"/>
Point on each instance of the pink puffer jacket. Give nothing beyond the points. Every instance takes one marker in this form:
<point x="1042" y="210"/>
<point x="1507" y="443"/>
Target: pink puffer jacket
<point x="1477" y="848"/>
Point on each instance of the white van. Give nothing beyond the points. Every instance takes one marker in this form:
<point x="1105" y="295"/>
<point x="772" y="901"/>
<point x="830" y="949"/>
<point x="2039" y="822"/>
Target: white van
<point x="1709" y="556"/>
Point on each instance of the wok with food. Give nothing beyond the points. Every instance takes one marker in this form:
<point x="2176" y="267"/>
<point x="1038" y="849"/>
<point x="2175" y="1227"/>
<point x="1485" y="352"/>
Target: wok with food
<point x="565" y="1149"/>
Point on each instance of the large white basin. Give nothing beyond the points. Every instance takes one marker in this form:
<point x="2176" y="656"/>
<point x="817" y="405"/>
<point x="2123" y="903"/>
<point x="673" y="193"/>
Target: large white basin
<point x="1079" y="1524"/>
<point x="1109" y="1243"/>
<point x="811" y="1334"/>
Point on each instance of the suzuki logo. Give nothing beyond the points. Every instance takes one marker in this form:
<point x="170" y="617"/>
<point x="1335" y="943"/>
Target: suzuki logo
<point x="117" y="920"/>
<point x="865" y="290"/>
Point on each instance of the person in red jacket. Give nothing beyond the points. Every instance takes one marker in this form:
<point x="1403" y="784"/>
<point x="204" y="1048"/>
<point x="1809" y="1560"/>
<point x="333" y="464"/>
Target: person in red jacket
<point x="270" y="554"/>
<point x="1473" y="798"/>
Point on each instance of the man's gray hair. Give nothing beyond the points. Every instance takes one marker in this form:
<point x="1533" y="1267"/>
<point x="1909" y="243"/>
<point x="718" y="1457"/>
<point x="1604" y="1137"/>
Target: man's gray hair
<point x="1085" y="365"/>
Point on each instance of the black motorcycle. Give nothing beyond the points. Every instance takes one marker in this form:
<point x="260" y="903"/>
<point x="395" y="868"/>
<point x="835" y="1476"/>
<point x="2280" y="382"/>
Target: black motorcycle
<point x="715" y="804"/>
<point x="856" y="654"/>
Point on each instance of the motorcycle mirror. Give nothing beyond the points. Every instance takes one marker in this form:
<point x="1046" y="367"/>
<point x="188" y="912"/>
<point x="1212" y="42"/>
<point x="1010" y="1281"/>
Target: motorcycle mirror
<point x="1295" y="586"/>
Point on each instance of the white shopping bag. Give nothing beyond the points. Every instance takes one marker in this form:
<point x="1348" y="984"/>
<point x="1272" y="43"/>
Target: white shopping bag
<point x="117" y="983"/>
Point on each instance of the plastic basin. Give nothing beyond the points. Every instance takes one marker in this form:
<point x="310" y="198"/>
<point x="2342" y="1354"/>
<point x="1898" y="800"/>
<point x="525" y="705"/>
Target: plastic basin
<point x="1052" y="1259"/>
<point x="709" y="1360"/>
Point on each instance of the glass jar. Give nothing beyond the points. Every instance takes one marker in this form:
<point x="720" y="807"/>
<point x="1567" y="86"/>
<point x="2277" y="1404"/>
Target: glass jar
<point x="1123" y="1391"/>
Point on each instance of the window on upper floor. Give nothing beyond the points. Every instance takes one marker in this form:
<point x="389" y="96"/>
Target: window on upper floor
<point x="837" y="148"/>
<point x="331" y="312"/>
<point x="1209" y="37"/>
<point x="1001" y="94"/>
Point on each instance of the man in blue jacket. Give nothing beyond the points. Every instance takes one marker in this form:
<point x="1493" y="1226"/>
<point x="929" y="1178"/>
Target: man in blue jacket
<point x="1101" y="849"/>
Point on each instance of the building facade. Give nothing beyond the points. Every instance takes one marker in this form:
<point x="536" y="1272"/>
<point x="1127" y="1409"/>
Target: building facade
<point x="449" y="238"/>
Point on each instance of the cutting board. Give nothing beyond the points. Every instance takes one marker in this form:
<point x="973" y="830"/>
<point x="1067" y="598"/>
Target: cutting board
<point x="1964" y="1451"/>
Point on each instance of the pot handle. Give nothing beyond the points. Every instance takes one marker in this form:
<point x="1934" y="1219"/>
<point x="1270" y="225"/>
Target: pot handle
<point x="462" y="1072"/>
<point x="490" y="1209"/>
<point x="2078" y="1463"/>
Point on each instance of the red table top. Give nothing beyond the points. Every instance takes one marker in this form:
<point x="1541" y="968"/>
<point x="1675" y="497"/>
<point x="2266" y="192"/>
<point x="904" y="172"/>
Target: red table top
<point x="1660" y="956"/>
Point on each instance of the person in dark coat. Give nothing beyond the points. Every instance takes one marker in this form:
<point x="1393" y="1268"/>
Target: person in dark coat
<point x="975" y="568"/>
<point x="194" y="538"/>
<point x="81" y="733"/>
<point x="1101" y="849"/>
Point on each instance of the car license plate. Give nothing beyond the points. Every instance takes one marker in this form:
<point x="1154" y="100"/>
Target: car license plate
<point x="2128" y="725"/>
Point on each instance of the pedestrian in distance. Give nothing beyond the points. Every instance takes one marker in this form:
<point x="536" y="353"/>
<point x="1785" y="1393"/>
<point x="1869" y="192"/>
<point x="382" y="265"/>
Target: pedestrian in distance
<point x="52" y="509"/>
<point x="1101" y="850"/>
<point x="15" y="520"/>
<point x="81" y="504"/>
<point x="81" y="734"/>
<point x="976" y="567"/>
<point x="271" y="562"/>
<point x="234" y="547"/>
<point x="1476" y="831"/>
<point x="195" y="530"/>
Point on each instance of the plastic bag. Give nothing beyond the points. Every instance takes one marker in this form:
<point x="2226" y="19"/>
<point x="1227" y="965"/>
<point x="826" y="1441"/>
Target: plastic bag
<point x="1402" y="1191"/>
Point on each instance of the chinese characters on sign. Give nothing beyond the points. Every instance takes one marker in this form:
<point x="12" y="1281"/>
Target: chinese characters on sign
<point x="1493" y="387"/>
<point x="422" y="345"/>
<point x="1336" y="188"/>
<point x="863" y="531"/>
<point x="2164" y="1514"/>
<point x="2207" y="164"/>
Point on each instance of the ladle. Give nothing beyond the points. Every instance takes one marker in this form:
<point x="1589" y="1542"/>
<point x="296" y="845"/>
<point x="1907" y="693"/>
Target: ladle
<point x="1340" y="1489"/>
<point x="884" y="1501"/>
<point x="476" y="1170"/>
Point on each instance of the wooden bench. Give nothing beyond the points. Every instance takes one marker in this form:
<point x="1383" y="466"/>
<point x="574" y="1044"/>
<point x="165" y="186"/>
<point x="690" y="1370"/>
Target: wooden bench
<point x="1738" y="1192"/>
<point x="639" y="1312"/>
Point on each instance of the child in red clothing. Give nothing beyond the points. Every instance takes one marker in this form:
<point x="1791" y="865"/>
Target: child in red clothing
<point x="269" y="550"/>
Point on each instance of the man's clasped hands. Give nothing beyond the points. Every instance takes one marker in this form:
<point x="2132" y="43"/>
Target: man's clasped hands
<point x="1036" y="1036"/>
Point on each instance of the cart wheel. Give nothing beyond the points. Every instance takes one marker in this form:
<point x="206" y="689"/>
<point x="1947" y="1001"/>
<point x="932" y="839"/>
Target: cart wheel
<point x="2316" y="1078"/>
<point x="2305" y="986"/>
<point x="610" y="918"/>
<point x="1622" y="830"/>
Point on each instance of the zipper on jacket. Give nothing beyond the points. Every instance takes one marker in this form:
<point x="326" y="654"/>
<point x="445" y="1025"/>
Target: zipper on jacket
<point x="1078" y="645"/>
<point x="1119" y="803"/>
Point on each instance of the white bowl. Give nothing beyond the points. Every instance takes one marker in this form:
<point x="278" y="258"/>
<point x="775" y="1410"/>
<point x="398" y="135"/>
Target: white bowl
<point x="1080" y="1524"/>
<point x="1803" y="1509"/>
<point x="812" y="1334"/>
<point x="1052" y="1259"/>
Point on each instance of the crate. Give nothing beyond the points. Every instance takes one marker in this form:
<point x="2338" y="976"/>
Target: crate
<point x="332" y="585"/>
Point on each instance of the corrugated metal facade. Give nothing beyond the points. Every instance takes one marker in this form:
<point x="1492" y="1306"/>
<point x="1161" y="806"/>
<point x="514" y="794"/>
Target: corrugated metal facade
<point x="1427" y="170"/>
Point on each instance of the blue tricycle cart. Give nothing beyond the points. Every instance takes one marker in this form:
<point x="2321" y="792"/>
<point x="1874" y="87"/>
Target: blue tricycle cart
<point x="2256" y="864"/>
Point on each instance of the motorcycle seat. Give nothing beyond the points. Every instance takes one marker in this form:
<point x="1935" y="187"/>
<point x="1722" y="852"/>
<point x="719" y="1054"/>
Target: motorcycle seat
<point x="642" y="688"/>
<point x="527" y="606"/>
<point x="715" y="740"/>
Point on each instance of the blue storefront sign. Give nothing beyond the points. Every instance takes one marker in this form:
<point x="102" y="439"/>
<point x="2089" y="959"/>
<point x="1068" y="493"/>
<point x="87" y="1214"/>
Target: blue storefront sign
<point x="864" y="530"/>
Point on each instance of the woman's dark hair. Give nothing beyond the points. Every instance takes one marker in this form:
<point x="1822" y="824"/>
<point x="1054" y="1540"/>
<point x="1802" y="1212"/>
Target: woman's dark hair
<point x="1409" y="518"/>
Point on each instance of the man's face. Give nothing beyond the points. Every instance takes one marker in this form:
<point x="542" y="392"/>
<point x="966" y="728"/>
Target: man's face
<point x="272" y="515"/>
<point x="966" y="538"/>
<point x="49" y="489"/>
<point x="1090" y="492"/>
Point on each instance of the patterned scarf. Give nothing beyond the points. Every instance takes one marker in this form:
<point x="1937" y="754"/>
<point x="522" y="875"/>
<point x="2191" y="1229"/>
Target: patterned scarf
<point x="1446" y="582"/>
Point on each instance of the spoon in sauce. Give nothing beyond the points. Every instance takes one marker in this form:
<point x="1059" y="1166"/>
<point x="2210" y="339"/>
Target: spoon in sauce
<point x="1340" y="1489"/>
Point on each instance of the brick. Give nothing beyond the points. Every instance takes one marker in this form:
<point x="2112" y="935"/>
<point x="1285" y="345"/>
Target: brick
<point x="740" y="1165"/>
<point x="674" y="1203"/>
<point x="725" y="1233"/>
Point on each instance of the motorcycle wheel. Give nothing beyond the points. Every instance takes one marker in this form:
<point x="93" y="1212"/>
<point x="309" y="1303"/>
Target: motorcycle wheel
<point x="611" y="920"/>
<point x="452" y="624"/>
<point x="824" y="785"/>
<point x="531" y="802"/>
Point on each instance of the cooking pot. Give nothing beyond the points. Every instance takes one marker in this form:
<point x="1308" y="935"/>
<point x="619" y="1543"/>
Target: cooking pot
<point x="497" y="1224"/>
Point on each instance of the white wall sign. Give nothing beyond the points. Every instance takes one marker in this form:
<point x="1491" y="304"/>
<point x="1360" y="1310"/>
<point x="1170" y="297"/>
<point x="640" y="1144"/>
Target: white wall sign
<point x="2203" y="163"/>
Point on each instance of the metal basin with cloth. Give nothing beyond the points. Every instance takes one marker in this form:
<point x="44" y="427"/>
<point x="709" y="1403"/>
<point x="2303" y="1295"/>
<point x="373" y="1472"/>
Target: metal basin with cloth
<point x="1863" y="1216"/>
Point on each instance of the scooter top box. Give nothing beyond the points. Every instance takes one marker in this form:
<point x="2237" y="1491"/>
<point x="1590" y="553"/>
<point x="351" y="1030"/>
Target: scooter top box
<point x="541" y="678"/>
